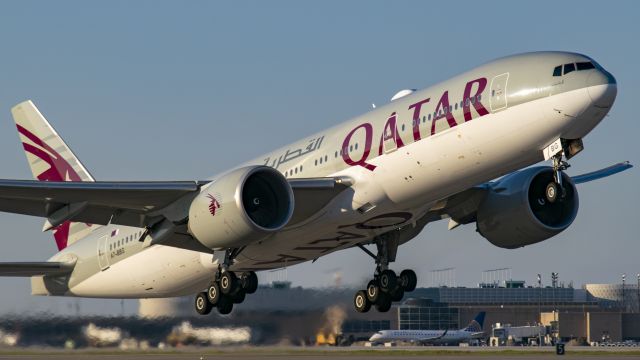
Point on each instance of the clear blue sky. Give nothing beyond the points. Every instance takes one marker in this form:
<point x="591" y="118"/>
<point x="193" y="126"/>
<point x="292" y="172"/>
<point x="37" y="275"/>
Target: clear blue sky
<point x="149" y="90"/>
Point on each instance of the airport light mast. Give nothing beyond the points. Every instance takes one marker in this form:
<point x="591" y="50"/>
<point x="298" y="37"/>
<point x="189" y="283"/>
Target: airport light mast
<point x="624" y="277"/>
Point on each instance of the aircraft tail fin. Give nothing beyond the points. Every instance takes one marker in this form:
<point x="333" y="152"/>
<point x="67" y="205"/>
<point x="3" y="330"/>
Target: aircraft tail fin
<point x="477" y="323"/>
<point x="50" y="159"/>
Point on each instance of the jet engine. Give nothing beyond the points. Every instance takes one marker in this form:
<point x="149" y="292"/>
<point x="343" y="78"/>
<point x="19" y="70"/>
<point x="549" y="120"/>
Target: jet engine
<point x="516" y="212"/>
<point x="241" y="207"/>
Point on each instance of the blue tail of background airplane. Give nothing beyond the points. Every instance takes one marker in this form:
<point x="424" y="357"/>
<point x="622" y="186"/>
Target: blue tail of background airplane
<point x="476" y="324"/>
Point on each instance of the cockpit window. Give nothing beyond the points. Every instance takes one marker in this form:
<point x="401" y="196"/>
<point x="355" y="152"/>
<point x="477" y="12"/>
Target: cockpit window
<point x="557" y="71"/>
<point x="585" y="66"/>
<point x="569" y="68"/>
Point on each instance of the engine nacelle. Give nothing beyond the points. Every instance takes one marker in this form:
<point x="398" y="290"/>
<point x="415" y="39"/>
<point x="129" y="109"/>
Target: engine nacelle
<point x="516" y="213"/>
<point x="241" y="207"/>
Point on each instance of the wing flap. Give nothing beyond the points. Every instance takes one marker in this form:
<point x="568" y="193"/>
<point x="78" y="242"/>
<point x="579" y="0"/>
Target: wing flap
<point x="27" y="269"/>
<point x="313" y="194"/>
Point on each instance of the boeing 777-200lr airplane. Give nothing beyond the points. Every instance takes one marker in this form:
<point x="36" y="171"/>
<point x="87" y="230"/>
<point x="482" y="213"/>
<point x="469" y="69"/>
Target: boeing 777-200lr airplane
<point x="379" y="178"/>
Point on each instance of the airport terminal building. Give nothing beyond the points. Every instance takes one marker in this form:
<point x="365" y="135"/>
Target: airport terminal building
<point x="585" y="314"/>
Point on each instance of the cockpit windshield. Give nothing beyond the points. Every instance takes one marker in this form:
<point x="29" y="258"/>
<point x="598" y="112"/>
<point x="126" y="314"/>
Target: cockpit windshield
<point x="571" y="67"/>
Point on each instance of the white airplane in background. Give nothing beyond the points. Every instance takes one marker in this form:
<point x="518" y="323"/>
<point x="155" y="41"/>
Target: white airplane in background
<point x="472" y="331"/>
<point x="376" y="179"/>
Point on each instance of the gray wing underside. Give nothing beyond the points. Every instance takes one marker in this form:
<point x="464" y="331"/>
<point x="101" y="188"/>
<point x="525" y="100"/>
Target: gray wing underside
<point x="27" y="269"/>
<point x="138" y="204"/>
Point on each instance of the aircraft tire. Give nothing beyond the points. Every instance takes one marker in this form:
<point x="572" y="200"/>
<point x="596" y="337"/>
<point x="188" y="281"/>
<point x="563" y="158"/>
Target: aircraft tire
<point x="238" y="296"/>
<point x="384" y="302"/>
<point x="228" y="282"/>
<point x="213" y="294"/>
<point x="388" y="280"/>
<point x="409" y="280"/>
<point x="202" y="304"/>
<point x="225" y="305"/>
<point x="551" y="192"/>
<point x="397" y="293"/>
<point x="361" y="302"/>
<point x="249" y="281"/>
<point x="373" y="291"/>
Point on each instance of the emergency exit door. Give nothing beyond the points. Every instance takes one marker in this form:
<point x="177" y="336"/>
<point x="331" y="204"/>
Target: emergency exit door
<point x="499" y="92"/>
<point x="103" y="253"/>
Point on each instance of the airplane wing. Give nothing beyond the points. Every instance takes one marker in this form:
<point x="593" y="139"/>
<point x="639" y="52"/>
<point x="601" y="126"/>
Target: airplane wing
<point x="602" y="173"/>
<point x="461" y="208"/>
<point x="35" y="268"/>
<point x="135" y="203"/>
<point x="434" y="338"/>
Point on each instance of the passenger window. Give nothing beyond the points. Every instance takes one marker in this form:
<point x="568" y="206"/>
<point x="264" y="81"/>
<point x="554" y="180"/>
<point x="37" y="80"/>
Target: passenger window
<point x="356" y="147"/>
<point x="429" y="116"/>
<point x="585" y="66"/>
<point x="300" y="168"/>
<point x="569" y="68"/>
<point x="316" y="162"/>
<point x="402" y="127"/>
<point x="479" y="97"/>
<point x="456" y="106"/>
<point x="335" y="155"/>
<point x="326" y="158"/>
<point x="296" y="170"/>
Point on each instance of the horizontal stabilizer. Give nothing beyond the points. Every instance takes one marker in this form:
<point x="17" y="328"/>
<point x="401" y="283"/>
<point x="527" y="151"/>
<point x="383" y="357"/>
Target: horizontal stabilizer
<point x="27" y="269"/>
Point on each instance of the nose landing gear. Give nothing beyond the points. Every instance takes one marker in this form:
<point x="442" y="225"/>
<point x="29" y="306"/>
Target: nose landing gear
<point x="385" y="287"/>
<point x="555" y="189"/>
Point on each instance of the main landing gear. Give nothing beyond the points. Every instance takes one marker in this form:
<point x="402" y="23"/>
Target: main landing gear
<point x="228" y="288"/>
<point x="385" y="287"/>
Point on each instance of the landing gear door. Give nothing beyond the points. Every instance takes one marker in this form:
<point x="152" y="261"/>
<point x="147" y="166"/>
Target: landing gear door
<point x="499" y="92"/>
<point x="103" y="253"/>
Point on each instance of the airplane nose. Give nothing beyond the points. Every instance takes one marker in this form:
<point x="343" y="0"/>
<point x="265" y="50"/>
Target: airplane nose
<point x="602" y="88"/>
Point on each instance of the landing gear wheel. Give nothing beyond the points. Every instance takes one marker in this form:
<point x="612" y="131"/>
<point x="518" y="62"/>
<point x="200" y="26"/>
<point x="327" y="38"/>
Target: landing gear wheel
<point x="203" y="306"/>
<point x="225" y="305"/>
<point x="213" y="294"/>
<point x="228" y="282"/>
<point x="238" y="296"/>
<point x="408" y="280"/>
<point x="384" y="302"/>
<point x="397" y="293"/>
<point x="373" y="291"/>
<point x="388" y="280"/>
<point x="249" y="281"/>
<point x="551" y="192"/>
<point x="361" y="302"/>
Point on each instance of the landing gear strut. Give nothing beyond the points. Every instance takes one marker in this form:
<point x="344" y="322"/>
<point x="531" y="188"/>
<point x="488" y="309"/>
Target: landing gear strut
<point x="227" y="288"/>
<point x="555" y="188"/>
<point x="385" y="287"/>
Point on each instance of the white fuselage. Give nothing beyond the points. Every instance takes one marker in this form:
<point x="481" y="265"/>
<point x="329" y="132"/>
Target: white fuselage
<point x="422" y="336"/>
<point x="407" y="182"/>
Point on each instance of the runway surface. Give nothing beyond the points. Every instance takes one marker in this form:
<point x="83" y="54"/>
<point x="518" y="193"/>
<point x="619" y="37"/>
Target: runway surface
<point x="351" y="353"/>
